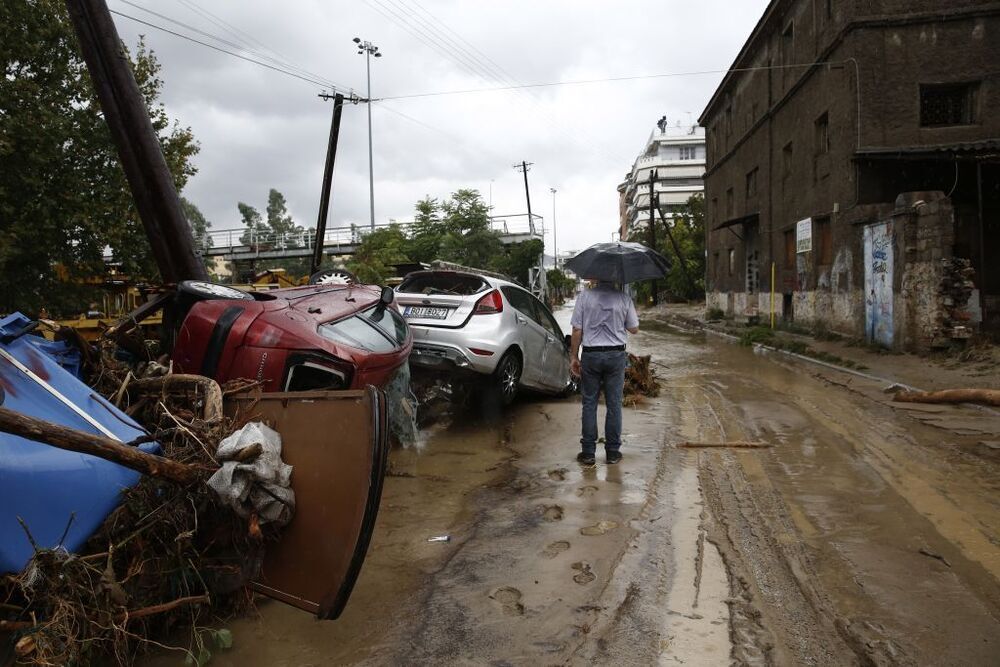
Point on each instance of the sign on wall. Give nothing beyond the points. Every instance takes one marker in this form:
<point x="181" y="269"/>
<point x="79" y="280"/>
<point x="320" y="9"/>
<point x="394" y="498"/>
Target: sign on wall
<point x="804" y="235"/>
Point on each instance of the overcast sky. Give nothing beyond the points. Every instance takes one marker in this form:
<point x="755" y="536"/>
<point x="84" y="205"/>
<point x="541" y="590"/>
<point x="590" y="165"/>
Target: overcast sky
<point x="260" y="129"/>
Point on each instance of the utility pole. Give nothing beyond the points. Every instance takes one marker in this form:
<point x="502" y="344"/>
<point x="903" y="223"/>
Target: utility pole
<point x="555" y="242"/>
<point x="524" y="168"/>
<point x="369" y="50"/>
<point x="324" y="197"/>
<point x="149" y="178"/>
<point x="652" y="226"/>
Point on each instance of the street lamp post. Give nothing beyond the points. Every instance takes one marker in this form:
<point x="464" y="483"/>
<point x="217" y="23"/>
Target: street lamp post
<point x="555" y="243"/>
<point x="369" y="49"/>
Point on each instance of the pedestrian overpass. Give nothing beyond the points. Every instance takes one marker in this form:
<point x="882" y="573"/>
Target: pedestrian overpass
<point x="233" y="244"/>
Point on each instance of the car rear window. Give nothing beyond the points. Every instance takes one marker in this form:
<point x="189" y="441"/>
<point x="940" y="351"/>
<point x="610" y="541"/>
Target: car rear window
<point x="443" y="283"/>
<point x="389" y="321"/>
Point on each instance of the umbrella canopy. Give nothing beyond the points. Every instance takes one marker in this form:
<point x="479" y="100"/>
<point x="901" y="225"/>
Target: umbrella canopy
<point x="620" y="262"/>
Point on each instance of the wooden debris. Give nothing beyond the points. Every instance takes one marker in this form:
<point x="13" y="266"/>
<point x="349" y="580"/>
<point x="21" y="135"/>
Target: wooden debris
<point x="74" y="440"/>
<point x="983" y="396"/>
<point x="737" y="444"/>
<point x="640" y="380"/>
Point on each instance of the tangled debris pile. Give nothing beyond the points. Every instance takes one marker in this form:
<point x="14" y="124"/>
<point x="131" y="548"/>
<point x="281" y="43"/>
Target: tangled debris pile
<point x="170" y="555"/>
<point x="640" y="380"/>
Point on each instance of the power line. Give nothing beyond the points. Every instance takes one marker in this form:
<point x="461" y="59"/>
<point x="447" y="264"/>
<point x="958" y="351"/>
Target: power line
<point x="308" y="79"/>
<point x="637" y="77"/>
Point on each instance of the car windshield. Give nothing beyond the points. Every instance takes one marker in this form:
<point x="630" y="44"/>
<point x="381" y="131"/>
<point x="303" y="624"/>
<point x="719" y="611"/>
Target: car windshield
<point x="443" y="283"/>
<point x="357" y="331"/>
<point x="389" y="321"/>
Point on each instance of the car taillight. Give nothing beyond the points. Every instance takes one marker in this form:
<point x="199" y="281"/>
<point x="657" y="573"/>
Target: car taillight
<point x="489" y="304"/>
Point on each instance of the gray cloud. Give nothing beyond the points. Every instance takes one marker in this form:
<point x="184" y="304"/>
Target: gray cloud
<point x="260" y="129"/>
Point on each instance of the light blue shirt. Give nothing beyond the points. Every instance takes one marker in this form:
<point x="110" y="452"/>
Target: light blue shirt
<point x="603" y="314"/>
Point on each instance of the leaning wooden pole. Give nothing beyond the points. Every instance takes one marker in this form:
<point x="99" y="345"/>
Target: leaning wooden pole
<point x="149" y="177"/>
<point x="73" y="440"/>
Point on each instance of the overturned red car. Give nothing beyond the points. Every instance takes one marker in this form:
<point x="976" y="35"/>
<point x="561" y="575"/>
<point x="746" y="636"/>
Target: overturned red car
<point x="340" y="336"/>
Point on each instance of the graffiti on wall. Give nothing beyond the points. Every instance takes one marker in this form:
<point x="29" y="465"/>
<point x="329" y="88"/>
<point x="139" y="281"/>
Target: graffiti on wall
<point x="878" y="241"/>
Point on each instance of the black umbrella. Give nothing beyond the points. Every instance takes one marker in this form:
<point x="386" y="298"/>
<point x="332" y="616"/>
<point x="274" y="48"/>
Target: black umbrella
<point x="620" y="262"/>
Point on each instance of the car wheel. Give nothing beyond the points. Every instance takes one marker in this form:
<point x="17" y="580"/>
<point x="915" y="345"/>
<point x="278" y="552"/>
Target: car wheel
<point x="507" y="376"/>
<point x="333" y="277"/>
<point x="200" y="290"/>
<point x="572" y="387"/>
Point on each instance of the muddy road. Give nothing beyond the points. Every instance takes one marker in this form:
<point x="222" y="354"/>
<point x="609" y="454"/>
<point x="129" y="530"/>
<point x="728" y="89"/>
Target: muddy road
<point x="863" y="532"/>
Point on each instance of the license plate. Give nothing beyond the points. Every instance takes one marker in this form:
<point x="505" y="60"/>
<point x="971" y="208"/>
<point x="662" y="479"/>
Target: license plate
<point x="426" y="312"/>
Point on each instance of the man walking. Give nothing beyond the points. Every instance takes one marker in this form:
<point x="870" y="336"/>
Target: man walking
<point x="601" y="318"/>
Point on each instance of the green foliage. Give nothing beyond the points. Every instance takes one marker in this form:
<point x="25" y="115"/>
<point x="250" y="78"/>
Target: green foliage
<point x="199" y="225"/>
<point x="756" y="335"/>
<point x="381" y="248"/>
<point x="63" y="195"/>
<point x="456" y="230"/>
<point x="715" y="314"/>
<point x="688" y="229"/>
<point x="560" y="285"/>
<point x="253" y="223"/>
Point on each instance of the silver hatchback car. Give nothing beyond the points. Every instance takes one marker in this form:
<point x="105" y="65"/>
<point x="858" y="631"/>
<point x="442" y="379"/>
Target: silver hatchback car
<point x="469" y="324"/>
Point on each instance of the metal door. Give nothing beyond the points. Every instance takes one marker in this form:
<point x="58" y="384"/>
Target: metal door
<point x="530" y="333"/>
<point x="878" y="240"/>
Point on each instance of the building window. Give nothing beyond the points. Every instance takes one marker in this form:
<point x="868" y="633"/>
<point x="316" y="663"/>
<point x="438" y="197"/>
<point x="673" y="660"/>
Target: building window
<point x="752" y="183"/>
<point x="788" y="44"/>
<point x="790" y="248"/>
<point x="732" y="261"/>
<point x="715" y="210"/>
<point x="948" y="104"/>
<point x="822" y="134"/>
<point x="824" y="241"/>
<point x="786" y="160"/>
<point x="730" y="204"/>
<point x="688" y="152"/>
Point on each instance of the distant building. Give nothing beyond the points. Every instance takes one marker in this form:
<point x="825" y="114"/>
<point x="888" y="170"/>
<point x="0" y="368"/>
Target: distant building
<point x="855" y="148"/>
<point x="677" y="156"/>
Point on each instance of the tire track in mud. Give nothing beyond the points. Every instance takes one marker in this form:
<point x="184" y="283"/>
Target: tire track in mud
<point x="779" y="614"/>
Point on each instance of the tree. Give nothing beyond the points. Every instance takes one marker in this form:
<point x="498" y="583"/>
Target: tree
<point x="64" y="199"/>
<point x="380" y="249"/>
<point x="255" y="229"/>
<point x="199" y="225"/>
<point x="687" y="225"/>
<point x="426" y="232"/>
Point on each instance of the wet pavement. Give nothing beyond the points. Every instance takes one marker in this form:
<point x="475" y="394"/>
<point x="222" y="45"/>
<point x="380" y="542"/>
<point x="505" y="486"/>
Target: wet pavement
<point x="863" y="533"/>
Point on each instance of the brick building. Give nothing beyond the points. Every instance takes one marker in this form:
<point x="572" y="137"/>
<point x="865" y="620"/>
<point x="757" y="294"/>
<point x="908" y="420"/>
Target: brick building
<point x="854" y="146"/>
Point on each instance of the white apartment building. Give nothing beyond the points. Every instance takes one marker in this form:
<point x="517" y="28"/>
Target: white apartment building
<point x="677" y="154"/>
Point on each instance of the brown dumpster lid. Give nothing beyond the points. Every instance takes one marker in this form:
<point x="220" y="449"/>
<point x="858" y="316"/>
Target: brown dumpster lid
<point x="337" y="443"/>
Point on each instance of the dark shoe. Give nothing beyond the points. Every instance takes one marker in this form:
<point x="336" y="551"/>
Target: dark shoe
<point x="585" y="459"/>
<point x="614" y="457"/>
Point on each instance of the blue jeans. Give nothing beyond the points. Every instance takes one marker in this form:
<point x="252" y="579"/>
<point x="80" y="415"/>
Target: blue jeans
<point x="602" y="371"/>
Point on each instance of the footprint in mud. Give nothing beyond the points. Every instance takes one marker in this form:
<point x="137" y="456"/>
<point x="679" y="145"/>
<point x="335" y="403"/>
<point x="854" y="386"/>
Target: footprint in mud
<point x="552" y="513"/>
<point x="599" y="528"/>
<point x="558" y="475"/>
<point x="584" y="575"/>
<point x="586" y="491"/>
<point x="509" y="599"/>
<point x="555" y="549"/>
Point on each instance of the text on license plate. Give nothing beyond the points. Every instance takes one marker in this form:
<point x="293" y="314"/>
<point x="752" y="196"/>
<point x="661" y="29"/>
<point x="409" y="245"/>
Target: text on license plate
<point x="426" y="312"/>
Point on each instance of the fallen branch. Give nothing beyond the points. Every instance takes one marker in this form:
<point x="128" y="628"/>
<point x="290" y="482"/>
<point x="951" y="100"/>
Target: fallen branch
<point x="736" y="444"/>
<point x="14" y="626"/>
<point x="166" y="606"/>
<point x="73" y="440"/>
<point x="984" y="396"/>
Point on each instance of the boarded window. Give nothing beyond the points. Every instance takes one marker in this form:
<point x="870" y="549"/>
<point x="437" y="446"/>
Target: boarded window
<point x="787" y="153"/>
<point x="822" y="134"/>
<point x="948" y="104"/>
<point x="824" y="241"/>
<point x="788" y="44"/>
<point x="790" y="249"/>
<point x="752" y="183"/>
<point x="730" y="204"/>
